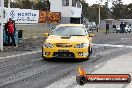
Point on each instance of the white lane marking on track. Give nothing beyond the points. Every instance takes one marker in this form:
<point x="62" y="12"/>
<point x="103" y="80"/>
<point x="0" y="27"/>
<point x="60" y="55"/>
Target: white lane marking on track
<point x="124" y="38"/>
<point x="22" y="54"/>
<point x="99" y="65"/>
<point x="129" y="86"/>
<point x="110" y="45"/>
<point x="32" y="37"/>
<point x="33" y="52"/>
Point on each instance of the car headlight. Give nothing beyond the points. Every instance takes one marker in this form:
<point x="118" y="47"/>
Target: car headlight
<point x="82" y="45"/>
<point x="48" y="45"/>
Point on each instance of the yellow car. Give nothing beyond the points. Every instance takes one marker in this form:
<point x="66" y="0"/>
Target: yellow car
<point x="68" y="41"/>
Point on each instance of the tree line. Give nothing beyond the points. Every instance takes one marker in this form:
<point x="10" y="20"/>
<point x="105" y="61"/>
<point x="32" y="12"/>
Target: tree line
<point x="29" y="4"/>
<point x="117" y="11"/>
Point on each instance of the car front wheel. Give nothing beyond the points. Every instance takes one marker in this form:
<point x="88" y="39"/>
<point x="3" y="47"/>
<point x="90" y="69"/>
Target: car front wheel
<point x="46" y="59"/>
<point x="42" y="52"/>
<point x="89" y="52"/>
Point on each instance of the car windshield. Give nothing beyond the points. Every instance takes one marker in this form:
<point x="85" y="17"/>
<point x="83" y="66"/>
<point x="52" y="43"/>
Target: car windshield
<point x="69" y="31"/>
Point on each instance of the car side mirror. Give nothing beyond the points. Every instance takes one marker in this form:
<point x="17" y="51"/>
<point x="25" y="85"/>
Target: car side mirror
<point x="46" y="34"/>
<point x="91" y="35"/>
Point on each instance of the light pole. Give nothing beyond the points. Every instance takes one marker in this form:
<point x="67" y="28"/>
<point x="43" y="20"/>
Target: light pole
<point x="1" y="26"/>
<point x="99" y="15"/>
<point x="100" y="1"/>
<point x="9" y="4"/>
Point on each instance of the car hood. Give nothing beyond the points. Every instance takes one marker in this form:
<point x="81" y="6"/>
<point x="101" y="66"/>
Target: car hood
<point x="67" y="39"/>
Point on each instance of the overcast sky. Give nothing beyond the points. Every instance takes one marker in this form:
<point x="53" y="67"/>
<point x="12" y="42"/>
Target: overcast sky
<point x="90" y="2"/>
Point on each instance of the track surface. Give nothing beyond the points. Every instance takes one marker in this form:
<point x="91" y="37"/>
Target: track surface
<point x="31" y="71"/>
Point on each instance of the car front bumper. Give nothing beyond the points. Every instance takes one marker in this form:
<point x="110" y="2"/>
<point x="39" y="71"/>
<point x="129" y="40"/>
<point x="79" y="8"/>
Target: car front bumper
<point x="77" y="53"/>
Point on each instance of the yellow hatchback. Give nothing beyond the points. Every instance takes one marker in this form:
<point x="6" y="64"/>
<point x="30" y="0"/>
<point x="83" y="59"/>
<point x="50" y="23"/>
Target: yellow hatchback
<point x="68" y="41"/>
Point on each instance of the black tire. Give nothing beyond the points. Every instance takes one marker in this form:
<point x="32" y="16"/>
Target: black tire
<point x="43" y="55"/>
<point x="42" y="52"/>
<point x="91" y="50"/>
<point x="46" y="59"/>
<point x="97" y="30"/>
<point x="89" y="53"/>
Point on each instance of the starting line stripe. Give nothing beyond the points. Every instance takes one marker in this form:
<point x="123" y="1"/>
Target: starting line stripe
<point x="109" y="45"/>
<point x="23" y="54"/>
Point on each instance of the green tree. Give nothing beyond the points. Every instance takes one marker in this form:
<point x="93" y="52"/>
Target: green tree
<point x="128" y="11"/>
<point x="45" y="5"/>
<point x="85" y="9"/>
<point x="5" y="3"/>
<point x="92" y="12"/>
<point x="27" y="4"/>
<point x="117" y="9"/>
<point x="23" y="4"/>
<point x="40" y="6"/>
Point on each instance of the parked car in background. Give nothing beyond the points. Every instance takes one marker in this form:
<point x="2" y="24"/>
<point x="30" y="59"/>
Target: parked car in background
<point x="92" y="26"/>
<point x="95" y="28"/>
<point x="118" y="30"/>
<point x="127" y="29"/>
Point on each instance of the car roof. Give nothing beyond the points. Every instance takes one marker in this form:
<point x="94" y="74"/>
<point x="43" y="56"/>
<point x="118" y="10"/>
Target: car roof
<point x="73" y="25"/>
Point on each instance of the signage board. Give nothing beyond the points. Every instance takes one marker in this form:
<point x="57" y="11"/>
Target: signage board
<point x="23" y="15"/>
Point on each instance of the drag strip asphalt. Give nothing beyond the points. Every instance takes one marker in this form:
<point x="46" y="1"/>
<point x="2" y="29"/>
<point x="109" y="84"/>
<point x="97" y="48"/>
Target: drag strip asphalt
<point x="30" y="70"/>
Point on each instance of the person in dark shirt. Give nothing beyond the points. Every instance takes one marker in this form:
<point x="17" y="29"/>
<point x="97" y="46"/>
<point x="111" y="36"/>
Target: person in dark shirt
<point x="114" y="27"/>
<point x="6" y="28"/>
<point x="124" y="25"/>
<point x="121" y="27"/>
<point x="107" y="28"/>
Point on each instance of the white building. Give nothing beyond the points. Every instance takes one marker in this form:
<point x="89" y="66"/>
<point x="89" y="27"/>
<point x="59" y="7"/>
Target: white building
<point x="70" y="10"/>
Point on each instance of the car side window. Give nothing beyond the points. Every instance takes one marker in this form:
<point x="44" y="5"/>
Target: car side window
<point x="51" y="32"/>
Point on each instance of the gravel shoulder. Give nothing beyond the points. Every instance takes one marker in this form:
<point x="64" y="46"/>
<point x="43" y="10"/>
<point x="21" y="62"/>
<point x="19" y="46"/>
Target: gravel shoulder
<point x="27" y="45"/>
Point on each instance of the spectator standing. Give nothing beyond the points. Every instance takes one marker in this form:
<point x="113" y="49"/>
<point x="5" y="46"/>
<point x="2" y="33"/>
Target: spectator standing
<point x="114" y="27"/>
<point x="13" y="23"/>
<point x="107" y="28"/>
<point x="121" y="27"/>
<point x="124" y="25"/>
<point x="11" y="32"/>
